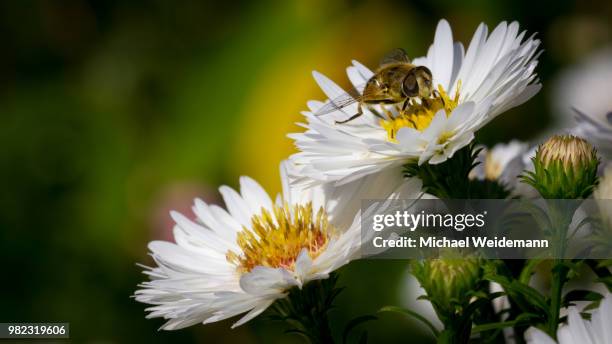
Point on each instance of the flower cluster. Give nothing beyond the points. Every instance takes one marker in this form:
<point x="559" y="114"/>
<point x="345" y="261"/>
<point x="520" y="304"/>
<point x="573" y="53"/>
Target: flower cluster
<point x="282" y="254"/>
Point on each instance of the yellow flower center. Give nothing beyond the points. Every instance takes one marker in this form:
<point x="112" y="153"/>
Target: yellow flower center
<point x="418" y="115"/>
<point x="492" y="168"/>
<point x="276" y="238"/>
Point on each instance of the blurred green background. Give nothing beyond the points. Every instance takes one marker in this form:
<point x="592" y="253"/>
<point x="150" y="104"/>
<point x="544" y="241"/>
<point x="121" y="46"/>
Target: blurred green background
<point x="114" y="112"/>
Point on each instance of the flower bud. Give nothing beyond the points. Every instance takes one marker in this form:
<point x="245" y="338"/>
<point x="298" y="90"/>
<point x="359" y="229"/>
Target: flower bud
<point x="565" y="167"/>
<point x="448" y="282"/>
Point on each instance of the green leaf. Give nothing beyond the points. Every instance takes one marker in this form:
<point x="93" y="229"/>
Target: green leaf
<point x="605" y="280"/>
<point x="395" y="309"/>
<point x="521" y="319"/>
<point x="450" y="179"/>
<point x="301" y="333"/>
<point x="526" y="297"/>
<point x="473" y="307"/>
<point x="600" y="268"/>
<point x="604" y="263"/>
<point x="493" y="296"/>
<point x="527" y="271"/>
<point x="354" y="323"/>
<point x="580" y="295"/>
<point x="530" y="294"/>
<point x="592" y="305"/>
<point x="539" y="215"/>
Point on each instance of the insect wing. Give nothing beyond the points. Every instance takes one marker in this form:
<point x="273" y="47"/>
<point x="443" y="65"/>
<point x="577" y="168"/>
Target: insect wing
<point x="338" y="103"/>
<point x="395" y="56"/>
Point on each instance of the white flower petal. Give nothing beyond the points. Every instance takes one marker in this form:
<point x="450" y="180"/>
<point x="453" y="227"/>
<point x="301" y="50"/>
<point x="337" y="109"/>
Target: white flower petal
<point x="236" y="206"/>
<point x="469" y="61"/>
<point x="579" y="330"/>
<point x="331" y="90"/>
<point x="365" y="72"/>
<point x="443" y="48"/>
<point x="537" y="336"/>
<point x="254" y="312"/>
<point x="485" y="60"/>
<point x="217" y="220"/>
<point x="208" y="238"/>
<point x="263" y="280"/>
<point x="602" y="321"/>
<point x="254" y="195"/>
<point x="458" y="57"/>
<point x="303" y="265"/>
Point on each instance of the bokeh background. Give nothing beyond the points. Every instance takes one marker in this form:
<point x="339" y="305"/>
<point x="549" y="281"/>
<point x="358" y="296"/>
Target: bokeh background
<point x="114" y="112"/>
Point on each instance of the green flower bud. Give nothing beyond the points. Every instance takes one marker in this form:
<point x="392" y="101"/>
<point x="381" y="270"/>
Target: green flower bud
<point x="448" y="282"/>
<point x="565" y="167"/>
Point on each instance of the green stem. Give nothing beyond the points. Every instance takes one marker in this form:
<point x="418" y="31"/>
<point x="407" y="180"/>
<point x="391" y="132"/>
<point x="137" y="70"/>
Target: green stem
<point x="561" y="214"/>
<point x="455" y="334"/>
<point x="450" y="180"/>
<point x="558" y="279"/>
<point x="305" y="310"/>
<point x="324" y="332"/>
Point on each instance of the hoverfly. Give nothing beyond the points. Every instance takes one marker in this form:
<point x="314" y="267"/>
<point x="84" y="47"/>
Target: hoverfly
<point x="395" y="81"/>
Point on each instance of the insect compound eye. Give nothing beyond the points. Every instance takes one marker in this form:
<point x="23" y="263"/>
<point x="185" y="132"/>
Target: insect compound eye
<point x="410" y="86"/>
<point x="425" y="74"/>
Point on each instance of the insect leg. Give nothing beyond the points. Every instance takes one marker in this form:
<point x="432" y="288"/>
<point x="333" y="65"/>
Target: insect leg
<point x="438" y="95"/>
<point x="359" y="113"/>
<point x="388" y="113"/>
<point x="376" y="113"/>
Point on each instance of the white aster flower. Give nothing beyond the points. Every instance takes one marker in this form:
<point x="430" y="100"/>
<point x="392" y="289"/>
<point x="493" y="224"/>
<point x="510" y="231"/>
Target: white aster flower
<point x="583" y="92"/>
<point x="495" y="74"/>
<point x="597" y="129"/>
<point x="240" y="260"/>
<point x="578" y="330"/>
<point x="503" y="163"/>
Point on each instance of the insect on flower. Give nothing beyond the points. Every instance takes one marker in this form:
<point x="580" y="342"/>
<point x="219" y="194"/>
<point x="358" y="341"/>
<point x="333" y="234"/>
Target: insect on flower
<point x="395" y="81"/>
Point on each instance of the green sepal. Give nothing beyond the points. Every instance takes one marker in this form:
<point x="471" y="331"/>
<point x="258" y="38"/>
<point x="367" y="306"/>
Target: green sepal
<point x="450" y="179"/>
<point x="557" y="179"/>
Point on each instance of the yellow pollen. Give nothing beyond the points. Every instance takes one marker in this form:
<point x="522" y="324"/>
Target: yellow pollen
<point x="276" y="238"/>
<point x="419" y="115"/>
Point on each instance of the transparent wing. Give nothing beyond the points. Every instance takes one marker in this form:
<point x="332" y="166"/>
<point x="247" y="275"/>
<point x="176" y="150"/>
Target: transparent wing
<point x="397" y="55"/>
<point x="354" y="95"/>
<point x="338" y="103"/>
